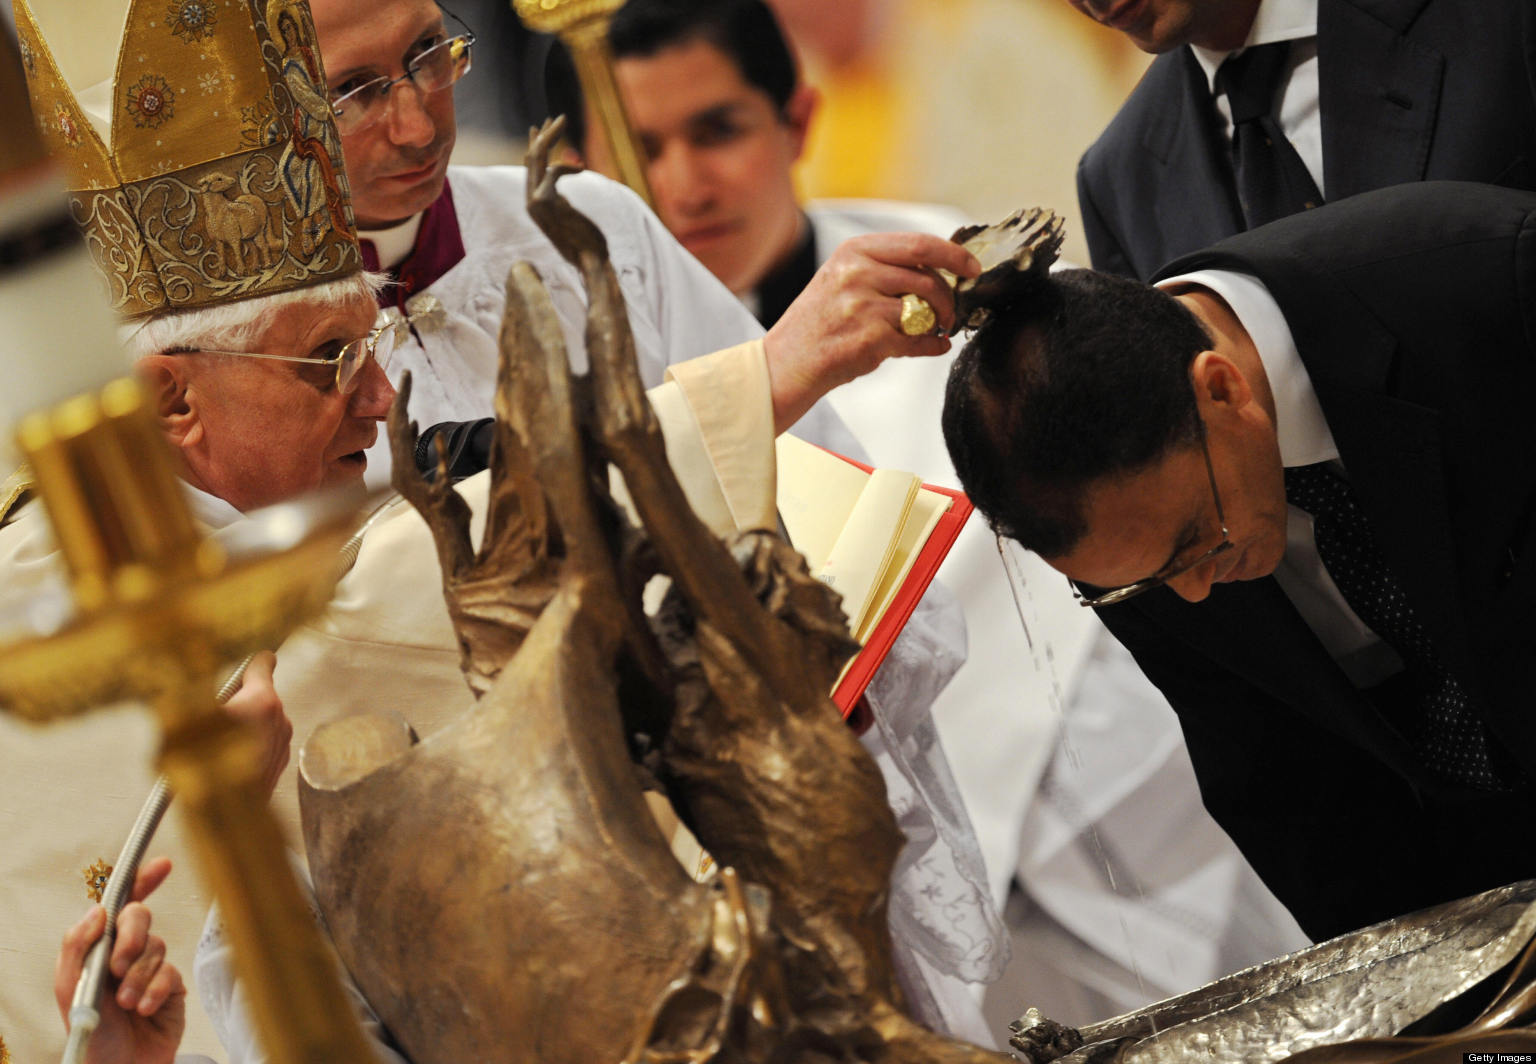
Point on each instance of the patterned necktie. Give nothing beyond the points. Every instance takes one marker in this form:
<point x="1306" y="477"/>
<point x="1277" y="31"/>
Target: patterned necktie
<point x="1272" y="181"/>
<point x="1442" y="727"/>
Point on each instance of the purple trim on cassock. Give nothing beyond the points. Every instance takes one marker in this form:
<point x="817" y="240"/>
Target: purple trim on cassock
<point x="439" y="248"/>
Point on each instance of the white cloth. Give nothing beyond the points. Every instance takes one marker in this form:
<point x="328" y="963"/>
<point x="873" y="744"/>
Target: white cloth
<point x="677" y="310"/>
<point x="1299" y="112"/>
<point x="992" y="731"/>
<point x="227" y="1003"/>
<point x="996" y="728"/>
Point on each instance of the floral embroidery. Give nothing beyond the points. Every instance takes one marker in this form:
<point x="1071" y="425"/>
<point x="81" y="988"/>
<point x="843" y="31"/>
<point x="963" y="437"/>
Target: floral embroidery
<point x="96" y="879"/>
<point x="150" y="101"/>
<point x="209" y="82"/>
<point x="67" y="128"/>
<point x="28" y="60"/>
<point x="191" y="20"/>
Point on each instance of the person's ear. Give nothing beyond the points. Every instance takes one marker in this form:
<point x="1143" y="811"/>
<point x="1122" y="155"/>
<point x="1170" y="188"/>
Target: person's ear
<point x="1218" y="383"/>
<point x="168" y="379"/>
<point x="799" y="109"/>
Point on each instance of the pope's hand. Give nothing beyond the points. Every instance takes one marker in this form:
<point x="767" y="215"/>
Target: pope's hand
<point x="847" y="321"/>
<point x="257" y="704"/>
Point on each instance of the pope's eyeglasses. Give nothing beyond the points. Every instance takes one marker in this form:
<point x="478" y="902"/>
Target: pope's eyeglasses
<point x="349" y="361"/>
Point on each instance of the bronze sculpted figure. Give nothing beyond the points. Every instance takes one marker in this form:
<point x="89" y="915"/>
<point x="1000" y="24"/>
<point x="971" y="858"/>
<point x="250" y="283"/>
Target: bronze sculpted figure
<point x="546" y="919"/>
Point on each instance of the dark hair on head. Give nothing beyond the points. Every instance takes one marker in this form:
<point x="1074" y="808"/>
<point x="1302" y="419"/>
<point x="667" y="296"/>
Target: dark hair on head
<point x="1086" y="377"/>
<point x="746" y="31"/>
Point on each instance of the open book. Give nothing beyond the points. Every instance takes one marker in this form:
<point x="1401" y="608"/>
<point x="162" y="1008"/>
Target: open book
<point x="876" y="536"/>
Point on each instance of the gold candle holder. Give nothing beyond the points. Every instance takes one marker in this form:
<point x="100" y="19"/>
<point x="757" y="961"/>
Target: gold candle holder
<point x="582" y="25"/>
<point x="160" y="608"/>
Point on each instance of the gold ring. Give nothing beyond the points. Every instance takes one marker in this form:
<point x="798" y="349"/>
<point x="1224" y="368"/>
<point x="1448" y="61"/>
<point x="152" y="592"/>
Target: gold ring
<point x="917" y="316"/>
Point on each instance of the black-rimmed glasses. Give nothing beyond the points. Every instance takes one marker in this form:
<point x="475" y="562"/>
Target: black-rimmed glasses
<point x="1120" y="594"/>
<point x="349" y="361"/>
<point x="432" y="69"/>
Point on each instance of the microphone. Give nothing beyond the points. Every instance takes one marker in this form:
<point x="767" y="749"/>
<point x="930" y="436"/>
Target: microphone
<point x="466" y="443"/>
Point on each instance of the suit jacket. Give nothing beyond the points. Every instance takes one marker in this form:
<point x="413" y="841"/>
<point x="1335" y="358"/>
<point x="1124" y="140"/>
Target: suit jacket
<point x="1410" y="90"/>
<point x="1414" y="311"/>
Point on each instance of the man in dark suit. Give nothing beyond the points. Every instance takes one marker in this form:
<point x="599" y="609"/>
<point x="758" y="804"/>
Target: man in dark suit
<point x="1363" y="94"/>
<point x="1353" y="676"/>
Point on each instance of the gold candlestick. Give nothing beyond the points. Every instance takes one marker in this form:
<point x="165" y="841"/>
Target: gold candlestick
<point x="583" y="27"/>
<point x="160" y="607"/>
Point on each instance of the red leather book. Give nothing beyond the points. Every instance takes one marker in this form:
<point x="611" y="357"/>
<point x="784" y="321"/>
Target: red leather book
<point x="877" y="537"/>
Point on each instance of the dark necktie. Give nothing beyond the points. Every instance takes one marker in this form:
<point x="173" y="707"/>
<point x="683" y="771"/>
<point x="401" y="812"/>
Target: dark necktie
<point x="1441" y="726"/>
<point x="1272" y="181"/>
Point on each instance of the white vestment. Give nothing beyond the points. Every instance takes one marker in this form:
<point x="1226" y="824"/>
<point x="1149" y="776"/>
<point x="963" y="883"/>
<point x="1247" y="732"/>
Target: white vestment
<point x="677" y="310"/>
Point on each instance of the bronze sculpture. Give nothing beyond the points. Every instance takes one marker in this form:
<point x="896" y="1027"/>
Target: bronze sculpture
<point x="557" y="923"/>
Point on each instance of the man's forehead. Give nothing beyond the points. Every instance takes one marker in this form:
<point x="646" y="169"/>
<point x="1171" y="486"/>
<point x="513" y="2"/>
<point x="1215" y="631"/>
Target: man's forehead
<point x="1136" y="520"/>
<point x="698" y="64"/>
<point x="357" y="33"/>
<point x="298" y="328"/>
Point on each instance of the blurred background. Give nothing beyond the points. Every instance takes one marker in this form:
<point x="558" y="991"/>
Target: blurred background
<point x="981" y="104"/>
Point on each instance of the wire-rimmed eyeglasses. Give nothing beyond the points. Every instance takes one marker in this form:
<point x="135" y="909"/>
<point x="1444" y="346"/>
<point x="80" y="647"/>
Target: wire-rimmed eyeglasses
<point x="349" y="361"/>
<point x="1176" y="569"/>
<point x="430" y="70"/>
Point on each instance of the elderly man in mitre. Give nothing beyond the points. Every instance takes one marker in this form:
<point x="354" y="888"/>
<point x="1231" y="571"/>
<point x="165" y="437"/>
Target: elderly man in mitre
<point x="212" y="198"/>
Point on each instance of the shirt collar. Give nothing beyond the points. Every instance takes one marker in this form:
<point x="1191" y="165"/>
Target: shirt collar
<point x="776" y="291"/>
<point x="392" y="245"/>
<point x="438" y="248"/>
<point x="1277" y="20"/>
<point x="1299" y="423"/>
<point x="210" y="510"/>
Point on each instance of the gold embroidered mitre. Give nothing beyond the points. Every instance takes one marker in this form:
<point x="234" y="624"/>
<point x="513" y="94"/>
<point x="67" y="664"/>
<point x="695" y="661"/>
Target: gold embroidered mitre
<point x="203" y="162"/>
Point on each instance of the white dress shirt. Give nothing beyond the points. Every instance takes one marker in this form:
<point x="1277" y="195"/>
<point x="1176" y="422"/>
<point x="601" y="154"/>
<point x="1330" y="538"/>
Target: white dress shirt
<point x="1299" y="114"/>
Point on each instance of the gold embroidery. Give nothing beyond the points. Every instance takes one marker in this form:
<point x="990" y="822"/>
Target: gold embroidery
<point x="67" y="128"/>
<point x="223" y="179"/>
<point x="5" y="1054"/>
<point x="96" y="877"/>
<point x="150" y="101"/>
<point x="191" y="20"/>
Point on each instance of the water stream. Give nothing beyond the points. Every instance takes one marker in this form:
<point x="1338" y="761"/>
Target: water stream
<point x="1066" y="757"/>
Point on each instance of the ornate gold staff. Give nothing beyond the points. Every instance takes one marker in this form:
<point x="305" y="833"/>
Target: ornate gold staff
<point x="159" y="606"/>
<point x="583" y="27"/>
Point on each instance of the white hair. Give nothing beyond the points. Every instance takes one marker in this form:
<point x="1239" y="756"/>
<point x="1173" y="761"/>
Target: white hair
<point x="232" y="325"/>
